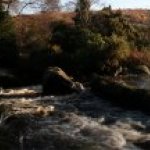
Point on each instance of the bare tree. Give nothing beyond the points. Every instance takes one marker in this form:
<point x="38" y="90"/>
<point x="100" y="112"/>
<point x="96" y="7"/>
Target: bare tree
<point x="9" y="5"/>
<point x="83" y="9"/>
<point x="6" y="3"/>
<point x="50" y="5"/>
<point x="40" y="5"/>
<point x="26" y="3"/>
<point x="71" y="4"/>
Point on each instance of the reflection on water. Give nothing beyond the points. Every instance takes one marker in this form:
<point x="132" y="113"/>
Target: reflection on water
<point x="80" y="122"/>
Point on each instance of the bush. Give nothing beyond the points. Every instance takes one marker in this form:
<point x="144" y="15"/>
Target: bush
<point x="118" y="48"/>
<point x="80" y="48"/>
<point x="69" y="38"/>
<point x="102" y="46"/>
<point x="84" y="51"/>
<point x="88" y="58"/>
<point x="116" y="53"/>
<point x="109" y="22"/>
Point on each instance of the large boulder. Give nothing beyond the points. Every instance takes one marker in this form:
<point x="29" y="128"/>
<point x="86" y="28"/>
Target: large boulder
<point x="57" y="82"/>
<point x="121" y="93"/>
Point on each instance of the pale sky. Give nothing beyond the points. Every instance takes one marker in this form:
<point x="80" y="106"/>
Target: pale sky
<point x="124" y="3"/>
<point x="129" y="3"/>
<point x="133" y="4"/>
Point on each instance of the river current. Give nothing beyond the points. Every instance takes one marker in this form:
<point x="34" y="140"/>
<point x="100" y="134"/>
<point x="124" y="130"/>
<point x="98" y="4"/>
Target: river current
<point x="76" y="122"/>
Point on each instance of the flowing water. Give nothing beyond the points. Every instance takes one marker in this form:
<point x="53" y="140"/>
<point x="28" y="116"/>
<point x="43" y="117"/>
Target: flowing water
<point x="142" y="82"/>
<point x="73" y="122"/>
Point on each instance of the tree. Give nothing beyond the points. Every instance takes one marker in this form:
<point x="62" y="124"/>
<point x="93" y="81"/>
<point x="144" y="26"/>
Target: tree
<point x="83" y="11"/>
<point x="39" y="5"/>
<point x="7" y="3"/>
<point x="8" y="49"/>
<point x="50" y="5"/>
<point x="11" y="6"/>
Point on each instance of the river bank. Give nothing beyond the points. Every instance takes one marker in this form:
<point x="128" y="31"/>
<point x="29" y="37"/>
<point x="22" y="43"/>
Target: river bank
<point x="132" y="92"/>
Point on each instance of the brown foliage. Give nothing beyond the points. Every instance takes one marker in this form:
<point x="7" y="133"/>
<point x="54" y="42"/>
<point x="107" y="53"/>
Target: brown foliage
<point x="36" y="29"/>
<point x="139" y="16"/>
<point x="140" y="58"/>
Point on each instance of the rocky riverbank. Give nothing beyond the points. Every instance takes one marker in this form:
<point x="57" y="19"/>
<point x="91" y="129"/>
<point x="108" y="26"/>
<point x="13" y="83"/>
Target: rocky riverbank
<point x="77" y="119"/>
<point x="130" y="91"/>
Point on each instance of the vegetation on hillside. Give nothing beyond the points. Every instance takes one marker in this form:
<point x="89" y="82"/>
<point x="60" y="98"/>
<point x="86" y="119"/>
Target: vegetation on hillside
<point x="102" y="46"/>
<point x="82" y="43"/>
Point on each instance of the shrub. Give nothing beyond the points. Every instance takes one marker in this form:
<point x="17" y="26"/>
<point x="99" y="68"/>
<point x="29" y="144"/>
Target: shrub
<point x="85" y="51"/>
<point x="69" y="38"/>
<point x="116" y="53"/>
<point x="89" y="56"/>
<point x="80" y="47"/>
<point x="109" y="22"/>
<point x="139" y="58"/>
<point x="118" y="47"/>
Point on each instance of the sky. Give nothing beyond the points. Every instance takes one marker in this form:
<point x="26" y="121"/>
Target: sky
<point x="116" y="4"/>
<point x="125" y="3"/>
<point x="129" y="3"/>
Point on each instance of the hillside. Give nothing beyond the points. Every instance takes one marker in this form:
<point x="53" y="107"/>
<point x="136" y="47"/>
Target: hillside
<point x="135" y="15"/>
<point x="138" y="15"/>
<point x="37" y="28"/>
<point x="33" y="29"/>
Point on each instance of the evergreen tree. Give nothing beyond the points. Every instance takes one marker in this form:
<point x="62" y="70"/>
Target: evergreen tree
<point x="8" y="49"/>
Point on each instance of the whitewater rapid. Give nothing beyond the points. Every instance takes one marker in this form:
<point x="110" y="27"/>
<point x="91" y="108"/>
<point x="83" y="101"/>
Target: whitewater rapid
<point x="77" y="122"/>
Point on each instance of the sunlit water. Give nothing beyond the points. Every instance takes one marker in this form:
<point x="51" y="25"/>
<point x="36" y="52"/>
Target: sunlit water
<point x="78" y="122"/>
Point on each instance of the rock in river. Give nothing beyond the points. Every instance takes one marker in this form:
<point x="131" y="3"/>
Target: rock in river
<point x="140" y="69"/>
<point x="57" y="82"/>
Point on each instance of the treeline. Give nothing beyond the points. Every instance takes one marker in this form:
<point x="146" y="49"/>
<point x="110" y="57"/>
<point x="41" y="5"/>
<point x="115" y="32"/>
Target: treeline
<point x="99" y="42"/>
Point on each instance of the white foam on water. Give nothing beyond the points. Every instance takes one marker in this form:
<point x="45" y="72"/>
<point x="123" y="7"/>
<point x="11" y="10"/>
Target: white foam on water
<point x="112" y="128"/>
<point x="23" y="90"/>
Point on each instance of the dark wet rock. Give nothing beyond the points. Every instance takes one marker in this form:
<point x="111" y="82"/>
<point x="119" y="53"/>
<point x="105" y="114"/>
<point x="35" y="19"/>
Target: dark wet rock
<point x="17" y="126"/>
<point x="57" y="82"/>
<point x="121" y="93"/>
<point x="5" y="108"/>
<point x="140" y="69"/>
<point x="8" y="140"/>
<point x="7" y="79"/>
<point x="18" y="123"/>
<point x="144" y="144"/>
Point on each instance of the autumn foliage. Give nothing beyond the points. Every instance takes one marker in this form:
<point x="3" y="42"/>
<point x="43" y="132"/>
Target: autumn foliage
<point x="112" y="38"/>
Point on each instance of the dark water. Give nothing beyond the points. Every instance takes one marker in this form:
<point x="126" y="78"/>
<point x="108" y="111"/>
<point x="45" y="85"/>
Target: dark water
<point x="77" y="122"/>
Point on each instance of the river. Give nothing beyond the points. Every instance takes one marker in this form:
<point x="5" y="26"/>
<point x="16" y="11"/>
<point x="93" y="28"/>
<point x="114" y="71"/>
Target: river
<point x="73" y="122"/>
